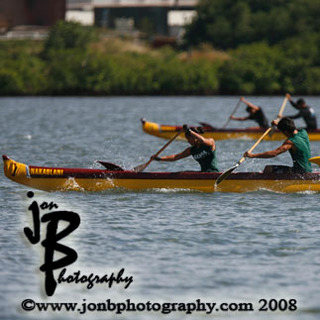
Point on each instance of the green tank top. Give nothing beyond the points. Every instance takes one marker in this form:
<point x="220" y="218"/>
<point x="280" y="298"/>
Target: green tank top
<point x="302" y="154"/>
<point x="206" y="158"/>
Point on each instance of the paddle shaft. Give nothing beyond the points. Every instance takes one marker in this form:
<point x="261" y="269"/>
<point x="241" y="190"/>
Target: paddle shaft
<point x="255" y="145"/>
<point x="282" y="107"/>
<point x="227" y="173"/>
<point x="232" y="113"/>
<point x="230" y="170"/>
<point x="284" y="103"/>
<point x="268" y="130"/>
<point x="141" y="167"/>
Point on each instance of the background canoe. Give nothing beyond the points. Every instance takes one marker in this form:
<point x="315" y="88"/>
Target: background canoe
<point x="168" y="131"/>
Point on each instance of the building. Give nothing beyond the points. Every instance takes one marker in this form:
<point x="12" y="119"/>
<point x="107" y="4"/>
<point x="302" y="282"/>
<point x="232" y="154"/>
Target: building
<point x="30" y="12"/>
<point x="80" y="11"/>
<point x="146" y="15"/>
<point x="162" y="17"/>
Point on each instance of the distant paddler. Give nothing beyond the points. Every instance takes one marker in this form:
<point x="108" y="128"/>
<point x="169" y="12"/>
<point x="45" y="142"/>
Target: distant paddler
<point x="202" y="149"/>
<point x="297" y="144"/>
<point x="305" y="112"/>
<point x="255" y="113"/>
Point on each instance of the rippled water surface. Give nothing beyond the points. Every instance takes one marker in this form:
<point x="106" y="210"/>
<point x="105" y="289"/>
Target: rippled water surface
<point x="178" y="246"/>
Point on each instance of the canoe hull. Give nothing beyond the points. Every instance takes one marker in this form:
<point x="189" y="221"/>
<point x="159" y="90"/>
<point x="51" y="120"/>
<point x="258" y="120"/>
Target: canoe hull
<point x="167" y="132"/>
<point x="96" y="180"/>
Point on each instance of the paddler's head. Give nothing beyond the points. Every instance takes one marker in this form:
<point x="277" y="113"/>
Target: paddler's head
<point x="287" y="126"/>
<point x="193" y="140"/>
<point x="250" y="110"/>
<point x="301" y="103"/>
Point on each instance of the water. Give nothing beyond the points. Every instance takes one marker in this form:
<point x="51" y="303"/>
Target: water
<point x="177" y="246"/>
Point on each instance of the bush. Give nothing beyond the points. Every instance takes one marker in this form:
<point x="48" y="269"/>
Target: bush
<point x="22" y="71"/>
<point x="228" y="24"/>
<point x="10" y="82"/>
<point x="66" y="35"/>
<point x="255" y="69"/>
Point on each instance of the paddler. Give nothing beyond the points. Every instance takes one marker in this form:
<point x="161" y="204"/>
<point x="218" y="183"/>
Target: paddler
<point x="297" y="144"/>
<point x="255" y="113"/>
<point x="305" y="112"/>
<point x="203" y="150"/>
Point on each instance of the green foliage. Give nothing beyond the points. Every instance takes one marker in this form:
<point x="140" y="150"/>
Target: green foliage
<point x="21" y="70"/>
<point x="77" y="72"/>
<point x="254" y="69"/>
<point x="10" y="82"/>
<point x="68" y="63"/>
<point x="275" y="44"/>
<point x="66" y="35"/>
<point x="229" y="23"/>
<point x="311" y="83"/>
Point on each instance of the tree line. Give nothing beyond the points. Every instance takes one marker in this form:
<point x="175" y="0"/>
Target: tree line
<point x="274" y="44"/>
<point x="266" y="47"/>
<point x="72" y="61"/>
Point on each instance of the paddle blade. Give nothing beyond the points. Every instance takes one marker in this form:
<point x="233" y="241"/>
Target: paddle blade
<point x="226" y="174"/>
<point x="315" y="160"/>
<point x="141" y="167"/>
<point x="110" y="166"/>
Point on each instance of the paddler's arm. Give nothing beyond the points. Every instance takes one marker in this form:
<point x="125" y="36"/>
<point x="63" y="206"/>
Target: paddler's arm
<point x="248" y="103"/>
<point x="294" y="104"/>
<point x="239" y="118"/>
<point x="287" y="145"/>
<point x="295" y="116"/>
<point x="208" y="142"/>
<point x="173" y="157"/>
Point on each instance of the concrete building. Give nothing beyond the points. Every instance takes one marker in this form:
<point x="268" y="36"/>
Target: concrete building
<point x="79" y="4"/>
<point x="163" y="17"/>
<point x="30" y="12"/>
<point x="80" y="11"/>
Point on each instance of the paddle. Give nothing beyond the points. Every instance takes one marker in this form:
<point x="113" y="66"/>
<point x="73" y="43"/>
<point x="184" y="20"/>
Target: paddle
<point x="284" y="103"/>
<point x="315" y="160"/>
<point x="114" y="167"/>
<point x="232" y="113"/>
<point x="141" y="167"/>
<point x="110" y="166"/>
<point x="206" y="124"/>
<point x="230" y="170"/>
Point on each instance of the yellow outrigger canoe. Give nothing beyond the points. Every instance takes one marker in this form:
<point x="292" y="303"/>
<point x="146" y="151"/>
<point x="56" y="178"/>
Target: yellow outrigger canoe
<point x="168" y="131"/>
<point x="97" y="180"/>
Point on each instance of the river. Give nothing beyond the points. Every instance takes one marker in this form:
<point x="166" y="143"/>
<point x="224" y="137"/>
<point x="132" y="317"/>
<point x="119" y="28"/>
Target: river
<point x="177" y="247"/>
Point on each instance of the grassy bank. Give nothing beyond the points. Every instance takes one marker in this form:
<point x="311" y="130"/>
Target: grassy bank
<point x="80" y="61"/>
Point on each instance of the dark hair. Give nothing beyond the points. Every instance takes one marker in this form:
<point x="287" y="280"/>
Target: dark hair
<point x="300" y="101"/>
<point x="188" y="132"/>
<point x="248" y="109"/>
<point x="286" y="124"/>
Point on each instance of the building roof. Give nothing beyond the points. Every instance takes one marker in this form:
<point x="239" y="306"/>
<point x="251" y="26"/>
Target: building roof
<point x="130" y="3"/>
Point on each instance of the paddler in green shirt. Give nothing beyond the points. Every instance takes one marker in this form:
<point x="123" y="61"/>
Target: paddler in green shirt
<point x="203" y="150"/>
<point x="297" y="144"/>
